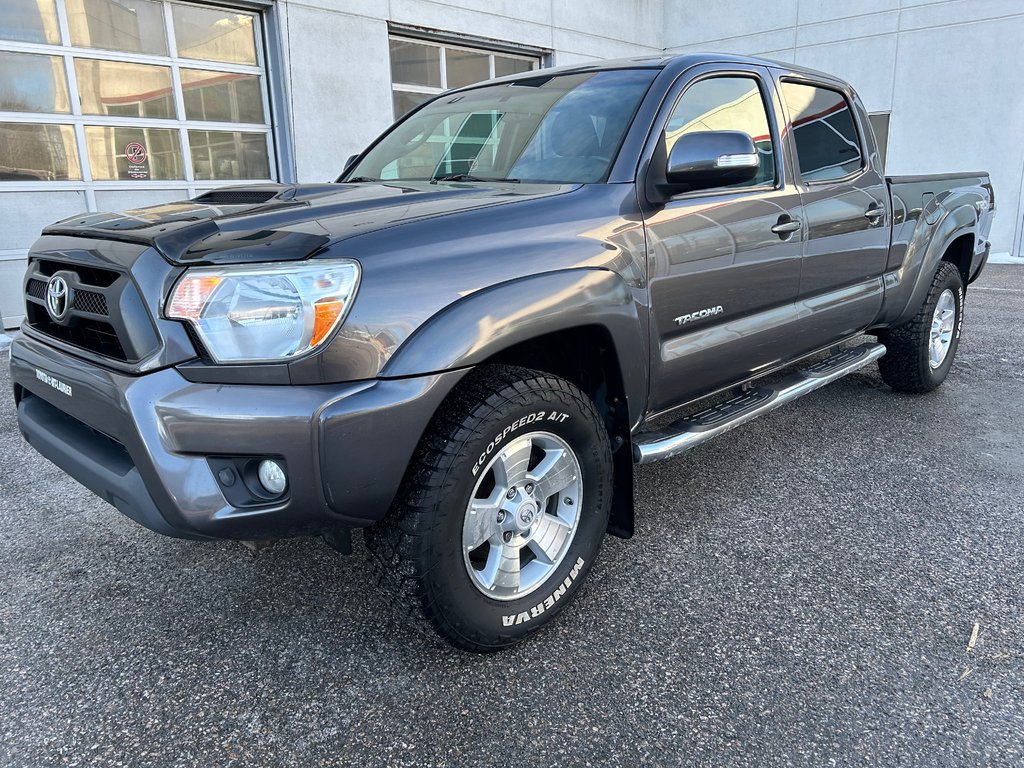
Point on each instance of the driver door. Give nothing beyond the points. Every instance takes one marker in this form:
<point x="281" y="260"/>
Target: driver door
<point x="724" y="263"/>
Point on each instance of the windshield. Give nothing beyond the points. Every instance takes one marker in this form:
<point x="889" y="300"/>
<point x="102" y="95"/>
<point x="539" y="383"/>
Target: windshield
<point x="554" y="128"/>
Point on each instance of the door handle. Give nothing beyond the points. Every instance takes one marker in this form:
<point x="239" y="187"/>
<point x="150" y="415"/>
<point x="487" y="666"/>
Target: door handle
<point x="874" y="213"/>
<point x="787" y="227"/>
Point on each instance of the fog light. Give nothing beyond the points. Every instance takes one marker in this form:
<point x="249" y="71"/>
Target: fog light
<point x="272" y="477"/>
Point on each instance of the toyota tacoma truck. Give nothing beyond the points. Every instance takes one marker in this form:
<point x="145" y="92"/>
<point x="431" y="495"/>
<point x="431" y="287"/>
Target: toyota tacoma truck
<point x="465" y="343"/>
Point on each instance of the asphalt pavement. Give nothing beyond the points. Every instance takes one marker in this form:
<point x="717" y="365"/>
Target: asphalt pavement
<point x="802" y="591"/>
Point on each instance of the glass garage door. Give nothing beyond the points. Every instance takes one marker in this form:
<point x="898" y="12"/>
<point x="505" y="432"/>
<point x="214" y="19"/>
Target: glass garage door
<point x="117" y="104"/>
<point x="130" y="95"/>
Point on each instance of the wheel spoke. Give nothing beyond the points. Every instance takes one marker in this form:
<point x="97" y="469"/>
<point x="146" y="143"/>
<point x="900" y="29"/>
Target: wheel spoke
<point x="502" y="568"/>
<point x="481" y="520"/>
<point x="513" y="462"/>
<point x="946" y="321"/>
<point x="549" y="538"/>
<point x="555" y="472"/>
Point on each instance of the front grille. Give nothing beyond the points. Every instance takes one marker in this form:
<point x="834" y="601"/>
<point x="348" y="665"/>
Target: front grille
<point x="93" y="335"/>
<point x="89" y="324"/>
<point x="93" y="276"/>
<point x="91" y="302"/>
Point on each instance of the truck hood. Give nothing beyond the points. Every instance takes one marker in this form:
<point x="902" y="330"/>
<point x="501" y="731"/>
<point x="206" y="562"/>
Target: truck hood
<point x="282" y="222"/>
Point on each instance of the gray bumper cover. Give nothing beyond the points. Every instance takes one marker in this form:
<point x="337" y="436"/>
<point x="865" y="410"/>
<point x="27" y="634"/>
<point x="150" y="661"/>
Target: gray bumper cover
<point x="142" y="442"/>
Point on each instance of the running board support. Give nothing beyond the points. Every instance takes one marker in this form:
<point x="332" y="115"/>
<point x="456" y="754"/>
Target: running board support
<point x="689" y="432"/>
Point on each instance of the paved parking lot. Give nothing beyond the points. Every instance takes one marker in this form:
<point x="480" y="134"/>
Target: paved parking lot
<point x="802" y="591"/>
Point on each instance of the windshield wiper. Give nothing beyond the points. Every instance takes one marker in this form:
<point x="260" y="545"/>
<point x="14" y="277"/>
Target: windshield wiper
<point x="469" y="177"/>
<point x="357" y="179"/>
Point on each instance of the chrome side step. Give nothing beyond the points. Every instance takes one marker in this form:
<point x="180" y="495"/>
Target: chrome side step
<point x="686" y="433"/>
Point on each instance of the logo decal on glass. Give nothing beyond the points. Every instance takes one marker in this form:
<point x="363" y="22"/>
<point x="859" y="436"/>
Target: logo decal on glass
<point x="136" y="155"/>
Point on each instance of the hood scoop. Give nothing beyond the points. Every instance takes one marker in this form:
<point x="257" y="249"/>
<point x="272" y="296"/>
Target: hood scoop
<point x="236" y="196"/>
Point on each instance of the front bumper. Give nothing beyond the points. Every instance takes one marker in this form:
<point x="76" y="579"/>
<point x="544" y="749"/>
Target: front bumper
<point x="144" y="443"/>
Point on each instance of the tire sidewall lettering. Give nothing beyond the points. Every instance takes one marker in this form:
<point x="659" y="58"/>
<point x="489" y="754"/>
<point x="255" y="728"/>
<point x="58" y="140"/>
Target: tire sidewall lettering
<point x="534" y="609"/>
<point x="501" y="437"/>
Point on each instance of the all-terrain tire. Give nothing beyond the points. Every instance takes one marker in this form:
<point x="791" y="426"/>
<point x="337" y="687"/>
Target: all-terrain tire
<point x="420" y="547"/>
<point x="909" y="364"/>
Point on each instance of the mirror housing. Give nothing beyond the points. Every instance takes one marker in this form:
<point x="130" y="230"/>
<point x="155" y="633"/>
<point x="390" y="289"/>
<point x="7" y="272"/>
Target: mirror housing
<point x="349" y="163"/>
<point x="709" y="159"/>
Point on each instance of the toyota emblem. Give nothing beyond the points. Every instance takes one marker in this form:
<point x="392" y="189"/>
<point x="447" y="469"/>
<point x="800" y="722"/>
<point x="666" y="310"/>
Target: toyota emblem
<point x="57" y="297"/>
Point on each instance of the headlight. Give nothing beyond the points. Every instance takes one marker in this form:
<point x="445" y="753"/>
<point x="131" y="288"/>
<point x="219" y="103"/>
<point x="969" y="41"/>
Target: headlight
<point x="264" y="312"/>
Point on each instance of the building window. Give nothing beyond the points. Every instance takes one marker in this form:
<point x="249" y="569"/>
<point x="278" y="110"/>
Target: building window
<point x="102" y="94"/>
<point x="420" y="69"/>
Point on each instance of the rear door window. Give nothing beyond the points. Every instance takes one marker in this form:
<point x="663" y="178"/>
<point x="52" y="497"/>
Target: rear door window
<point x="825" y="134"/>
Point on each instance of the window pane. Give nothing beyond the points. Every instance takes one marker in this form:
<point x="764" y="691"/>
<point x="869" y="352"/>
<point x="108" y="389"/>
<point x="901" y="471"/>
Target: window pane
<point x="32" y="83"/>
<point x="415" y="64"/>
<point x="218" y="35"/>
<point x="133" y="153"/>
<point x="120" y="88"/>
<point x="222" y="96"/>
<point x="726" y="104"/>
<point x="405" y="102"/>
<point x="30" y="21"/>
<point x="118" y="25"/>
<point x="826" y="139"/>
<point x="229" y="155"/>
<point x="466" y="150"/>
<point x="31" y="152"/>
<point x="422" y="160"/>
<point x="503" y="65"/>
<point x="466" y="67"/>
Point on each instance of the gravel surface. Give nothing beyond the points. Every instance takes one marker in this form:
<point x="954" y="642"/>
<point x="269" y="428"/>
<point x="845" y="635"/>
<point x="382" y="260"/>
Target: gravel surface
<point x="801" y="591"/>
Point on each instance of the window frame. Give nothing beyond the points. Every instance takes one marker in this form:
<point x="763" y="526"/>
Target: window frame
<point x="865" y="165"/>
<point x="445" y="43"/>
<point x="767" y="101"/>
<point x="78" y="120"/>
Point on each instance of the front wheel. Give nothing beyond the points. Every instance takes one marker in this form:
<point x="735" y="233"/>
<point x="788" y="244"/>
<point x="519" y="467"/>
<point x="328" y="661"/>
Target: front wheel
<point x="503" y="509"/>
<point x="920" y="353"/>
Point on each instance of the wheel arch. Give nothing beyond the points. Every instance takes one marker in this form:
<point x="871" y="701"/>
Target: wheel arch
<point x="582" y="325"/>
<point x="945" y="240"/>
<point x="960" y="253"/>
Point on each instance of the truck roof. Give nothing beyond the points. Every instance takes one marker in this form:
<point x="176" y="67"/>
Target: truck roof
<point x="678" y="62"/>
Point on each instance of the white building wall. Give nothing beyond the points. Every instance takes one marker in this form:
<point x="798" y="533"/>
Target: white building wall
<point x="946" y="69"/>
<point x="339" y="74"/>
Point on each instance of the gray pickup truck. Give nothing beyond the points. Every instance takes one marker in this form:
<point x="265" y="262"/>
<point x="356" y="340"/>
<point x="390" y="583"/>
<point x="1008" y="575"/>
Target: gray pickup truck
<point x="465" y="343"/>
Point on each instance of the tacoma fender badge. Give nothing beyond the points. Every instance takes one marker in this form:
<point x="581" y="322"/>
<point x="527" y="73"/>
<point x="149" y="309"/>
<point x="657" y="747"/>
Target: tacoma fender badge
<point x="699" y="315"/>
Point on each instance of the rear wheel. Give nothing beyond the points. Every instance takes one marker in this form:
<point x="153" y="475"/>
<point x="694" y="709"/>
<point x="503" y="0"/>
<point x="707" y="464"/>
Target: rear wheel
<point x="503" y="509"/>
<point x="920" y="352"/>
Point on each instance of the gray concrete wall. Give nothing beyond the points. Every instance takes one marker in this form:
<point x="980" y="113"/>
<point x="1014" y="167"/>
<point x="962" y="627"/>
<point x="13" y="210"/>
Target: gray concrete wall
<point x="947" y="70"/>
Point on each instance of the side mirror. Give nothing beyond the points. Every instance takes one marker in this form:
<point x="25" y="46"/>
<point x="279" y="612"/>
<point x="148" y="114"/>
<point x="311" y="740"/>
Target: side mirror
<point x="349" y="163"/>
<point x="709" y="159"/>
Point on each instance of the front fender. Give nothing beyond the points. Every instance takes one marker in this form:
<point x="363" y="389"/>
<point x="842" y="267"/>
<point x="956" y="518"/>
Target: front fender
<point x="479" y="326"/>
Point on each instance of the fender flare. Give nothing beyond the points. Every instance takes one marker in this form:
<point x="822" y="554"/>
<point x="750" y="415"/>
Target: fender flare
<point x="473" y="329"/>
<point x="957" y="221"/>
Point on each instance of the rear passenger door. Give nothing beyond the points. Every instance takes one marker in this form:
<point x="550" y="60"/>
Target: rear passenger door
<point x="846" y="210"/>
<point x="724" y="264"/>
